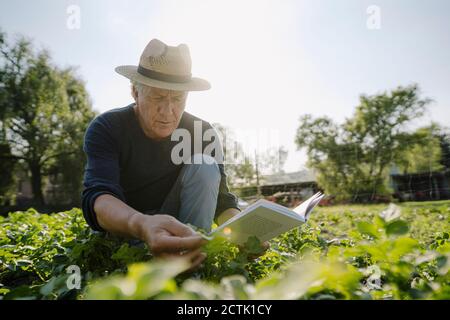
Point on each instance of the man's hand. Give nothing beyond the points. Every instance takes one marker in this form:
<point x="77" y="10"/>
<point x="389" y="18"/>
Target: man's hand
<point x="227" y="215"/>
<point x="264" y="247"/>
<point x="167" y="237"/>
<point x="230" y="213"/>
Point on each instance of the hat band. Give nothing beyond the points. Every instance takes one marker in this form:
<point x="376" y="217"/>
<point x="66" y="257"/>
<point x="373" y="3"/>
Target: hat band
<point x="163" y="76"/>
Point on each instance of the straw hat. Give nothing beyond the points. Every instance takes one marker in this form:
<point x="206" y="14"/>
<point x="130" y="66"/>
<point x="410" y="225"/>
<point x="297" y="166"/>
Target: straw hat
<point x="164" y="67"/>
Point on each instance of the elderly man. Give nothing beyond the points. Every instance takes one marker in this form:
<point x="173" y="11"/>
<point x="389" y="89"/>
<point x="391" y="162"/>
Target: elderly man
<point x="132" y="187"/>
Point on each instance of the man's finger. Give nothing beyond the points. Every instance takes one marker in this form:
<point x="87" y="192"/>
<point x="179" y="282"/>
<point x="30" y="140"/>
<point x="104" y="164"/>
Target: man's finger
<point x="193" y="255"/>
<point x="195" y="258"/>
<point x="179" y="229"/>
<point x="196" y="262"/>
<point x="175" y="244"/>
<point x="189" y="255"/>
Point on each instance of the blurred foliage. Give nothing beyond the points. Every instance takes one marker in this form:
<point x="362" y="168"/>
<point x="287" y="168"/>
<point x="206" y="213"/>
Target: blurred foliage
<point x="353" y="160"/>
<point x="7" y="165"/>
<point x="344" y="252"/>
<point x="425" y="152"/>
<point x="44" y="113"/>
<point x="246" y="168"/>
<point x="241" y="170"/>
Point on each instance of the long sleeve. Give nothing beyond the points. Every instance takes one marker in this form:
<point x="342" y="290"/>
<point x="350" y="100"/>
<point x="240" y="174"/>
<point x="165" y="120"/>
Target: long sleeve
<point x="102" y="173"/>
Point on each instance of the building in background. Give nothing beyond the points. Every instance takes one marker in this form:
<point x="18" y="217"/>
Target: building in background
<point x="421" y="186"/>
<point x="286" y="188"/>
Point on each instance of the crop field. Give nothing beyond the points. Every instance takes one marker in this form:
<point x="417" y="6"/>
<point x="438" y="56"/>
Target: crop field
<point x="344" y="252"/>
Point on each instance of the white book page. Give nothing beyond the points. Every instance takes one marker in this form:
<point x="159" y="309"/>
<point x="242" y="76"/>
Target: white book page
<point x="283" y="210"/>
<point x="312" y="205"/>
<point x="266" y="220"/>
<point x="301" y="209"/>
<point x="306" y="206"/>
<point x="262" y="203"/>
<point x="262" y="222"/>
<point x="239" y="215"/>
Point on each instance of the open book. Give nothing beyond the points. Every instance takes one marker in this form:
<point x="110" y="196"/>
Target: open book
<point x="266" y="220"/>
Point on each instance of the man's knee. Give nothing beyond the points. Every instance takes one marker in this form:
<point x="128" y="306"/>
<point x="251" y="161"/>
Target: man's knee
<point x="203" y="169"/>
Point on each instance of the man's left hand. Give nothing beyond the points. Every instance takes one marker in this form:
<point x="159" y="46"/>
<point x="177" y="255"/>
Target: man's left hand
<point x="230" y="213"/>
<point x="264" y="246"/>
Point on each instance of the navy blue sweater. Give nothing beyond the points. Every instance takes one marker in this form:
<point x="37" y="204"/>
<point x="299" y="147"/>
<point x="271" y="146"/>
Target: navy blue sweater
<point x="123" y="162"/>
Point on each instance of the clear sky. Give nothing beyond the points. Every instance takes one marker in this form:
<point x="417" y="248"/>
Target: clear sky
<point x="268" y="62"/>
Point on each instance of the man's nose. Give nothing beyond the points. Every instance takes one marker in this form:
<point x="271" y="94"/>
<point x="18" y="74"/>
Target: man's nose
<point x="168" y="108"/>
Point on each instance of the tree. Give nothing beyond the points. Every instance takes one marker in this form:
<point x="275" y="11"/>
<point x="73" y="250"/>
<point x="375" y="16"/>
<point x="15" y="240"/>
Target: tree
<point x="247" y="169"/>
<point x="239" y="167"/>
<point x="272" y="160"/>
<point x="444" y="142"/>
<point x="352" y="160"/>
<point x="45" y="111"/>
<point x="67" y="167"/>
<point x="7" y="165"/>
<point x="424" y="153"/>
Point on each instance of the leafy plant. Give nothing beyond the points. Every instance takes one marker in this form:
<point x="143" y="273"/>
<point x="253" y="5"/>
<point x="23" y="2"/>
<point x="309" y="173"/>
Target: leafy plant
<point x="344" y="252"/>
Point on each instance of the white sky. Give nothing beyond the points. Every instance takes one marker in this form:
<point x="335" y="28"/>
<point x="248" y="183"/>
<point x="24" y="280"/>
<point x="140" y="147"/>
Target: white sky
<point x="269" y="62"/>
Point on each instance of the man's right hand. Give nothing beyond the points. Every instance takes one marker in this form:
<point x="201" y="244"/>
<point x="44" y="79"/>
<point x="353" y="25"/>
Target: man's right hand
<point x="164" y="234"/>
<point x="167" y="237"/>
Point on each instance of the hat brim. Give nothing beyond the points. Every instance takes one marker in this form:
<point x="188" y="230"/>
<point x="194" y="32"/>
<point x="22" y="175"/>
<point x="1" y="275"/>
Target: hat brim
<point x="195" y="84"/>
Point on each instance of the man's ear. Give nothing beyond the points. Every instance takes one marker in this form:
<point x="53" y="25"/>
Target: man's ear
<point x="134" y="92"/>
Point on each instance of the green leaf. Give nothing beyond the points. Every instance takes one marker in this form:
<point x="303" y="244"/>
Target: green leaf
<point x="367" y="228"/>
<point x="48" y="287"/>
<point x="253" y="246"/>
<point x="397" y="227"/>
<point x="127" y="254"/>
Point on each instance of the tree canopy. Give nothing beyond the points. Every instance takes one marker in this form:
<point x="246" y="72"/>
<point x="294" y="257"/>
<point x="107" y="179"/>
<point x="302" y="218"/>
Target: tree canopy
<point x="352" y="160"/>
<point x="44" y="113"/>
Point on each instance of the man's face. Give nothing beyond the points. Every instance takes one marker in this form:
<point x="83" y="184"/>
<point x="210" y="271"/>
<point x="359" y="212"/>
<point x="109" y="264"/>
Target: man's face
<point x="159" y="110"/>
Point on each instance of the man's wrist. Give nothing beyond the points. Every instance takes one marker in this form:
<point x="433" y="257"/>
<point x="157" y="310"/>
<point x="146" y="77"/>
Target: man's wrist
<point x="136" y="225"/>
<point x="227" y="214"/>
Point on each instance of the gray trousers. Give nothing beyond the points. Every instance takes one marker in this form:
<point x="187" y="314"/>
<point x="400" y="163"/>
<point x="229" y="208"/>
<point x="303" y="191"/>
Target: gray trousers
<point x="193" y="197"/>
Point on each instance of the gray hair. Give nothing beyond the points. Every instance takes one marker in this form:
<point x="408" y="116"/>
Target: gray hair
<point x="140" y="88"/>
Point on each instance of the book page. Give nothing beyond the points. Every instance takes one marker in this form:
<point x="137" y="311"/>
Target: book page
<point x="312" y="204"/>
<point x="257" y="224"/>
<point x="263" y="221"/>
<point x="306" y="206"/>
